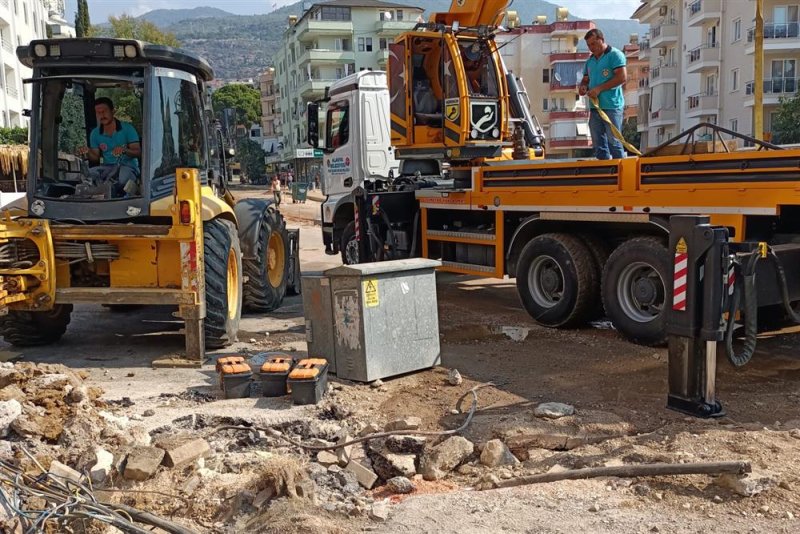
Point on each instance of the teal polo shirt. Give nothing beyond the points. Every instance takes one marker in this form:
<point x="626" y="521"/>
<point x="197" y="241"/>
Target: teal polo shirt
<point x="125" y="135"/>
<point x="600" y="71"/>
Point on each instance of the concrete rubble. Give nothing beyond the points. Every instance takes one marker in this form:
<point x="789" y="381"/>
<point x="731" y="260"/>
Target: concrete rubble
<point x="445" y="457"/>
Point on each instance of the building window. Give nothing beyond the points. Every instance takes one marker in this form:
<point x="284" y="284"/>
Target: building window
<point x="399" y="14"/>
<point x="361" y="44"/>
<point x="545" y="102"/>
<point x="369" y="44"/>
<point x="735" y="125"/>
<point x="365" y="44"/>
<point x="16" y="8"/>
<point x="546" y="76"/>
<point x="25" y="12"/>
<point x="382" y="43"/>
<point x="334" y="13"/>
<point x="734" y="79"/>
<point x="736" y="31"/>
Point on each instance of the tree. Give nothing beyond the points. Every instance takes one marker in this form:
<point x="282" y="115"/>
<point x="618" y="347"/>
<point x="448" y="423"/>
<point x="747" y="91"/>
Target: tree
<point x="245" y="99"/>
<point x="786" y="121"/>
<point x="127" y="27"/>
<point x="630" y="133"/>
<point x="82" y="23"/>
<point x="251" y="156"/>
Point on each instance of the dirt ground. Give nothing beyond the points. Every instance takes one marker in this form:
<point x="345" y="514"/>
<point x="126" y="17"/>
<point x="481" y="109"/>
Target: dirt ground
<point x="618" y="391"/>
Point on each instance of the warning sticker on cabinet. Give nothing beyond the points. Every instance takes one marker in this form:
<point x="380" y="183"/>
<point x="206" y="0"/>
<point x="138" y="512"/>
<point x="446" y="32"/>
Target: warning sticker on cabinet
<point x="371" y="298"/>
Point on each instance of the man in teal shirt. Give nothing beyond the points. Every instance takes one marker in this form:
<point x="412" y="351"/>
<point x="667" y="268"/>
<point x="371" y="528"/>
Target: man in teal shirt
<point x="114" y="144"/>
<point x="603" y="78"/>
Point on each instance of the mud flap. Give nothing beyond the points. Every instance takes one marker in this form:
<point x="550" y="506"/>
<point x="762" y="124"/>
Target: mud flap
<point x="293" y="274"/>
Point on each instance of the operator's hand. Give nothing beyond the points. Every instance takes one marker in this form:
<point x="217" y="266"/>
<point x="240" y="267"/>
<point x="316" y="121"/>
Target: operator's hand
<point x="593" y="93"/>
<point x="582" y="90"/>
<point x="118" y="151"/>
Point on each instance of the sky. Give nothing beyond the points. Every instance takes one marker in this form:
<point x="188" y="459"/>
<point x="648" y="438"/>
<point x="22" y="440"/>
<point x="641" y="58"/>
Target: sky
<point x="99" y="10"/>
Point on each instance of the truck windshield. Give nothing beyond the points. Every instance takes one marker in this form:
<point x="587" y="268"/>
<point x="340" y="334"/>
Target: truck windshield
<point x="88" y="138"/>
<point x="479" y="67"/>
<point x="338" y="121"/>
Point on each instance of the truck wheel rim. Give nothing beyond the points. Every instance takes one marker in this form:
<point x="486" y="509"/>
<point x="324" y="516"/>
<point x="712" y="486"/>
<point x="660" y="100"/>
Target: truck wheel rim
<point x="546" y="281"/>
<point x="233" y="284"/>
<point x="276" y="259"/>
<point x="641" y="292"/>
<point x="351" y="252"/>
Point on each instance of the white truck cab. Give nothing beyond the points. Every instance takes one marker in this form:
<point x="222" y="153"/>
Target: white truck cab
<point x="357" y="149"/>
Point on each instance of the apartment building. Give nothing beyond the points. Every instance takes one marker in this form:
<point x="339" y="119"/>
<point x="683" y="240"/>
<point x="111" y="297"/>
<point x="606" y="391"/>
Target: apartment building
<point x="701" y="56"/>
<point x="270" y="123"/>
<point x="546" y="57"/>
<point x="20" y="22"/>
<point x="637" y="69"/>
<point x="329" y="41"/>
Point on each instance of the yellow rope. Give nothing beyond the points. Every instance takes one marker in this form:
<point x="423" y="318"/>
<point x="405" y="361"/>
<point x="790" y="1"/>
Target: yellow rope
<point x="629" y="147"/>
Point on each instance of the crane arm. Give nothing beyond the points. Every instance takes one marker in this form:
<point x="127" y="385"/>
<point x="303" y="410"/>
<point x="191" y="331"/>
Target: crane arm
<point x="472" y="13"/>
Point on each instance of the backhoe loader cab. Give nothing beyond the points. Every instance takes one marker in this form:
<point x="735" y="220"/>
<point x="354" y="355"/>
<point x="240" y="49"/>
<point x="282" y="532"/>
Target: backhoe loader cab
<point x="127" y="199"/>
<point x="448" y="95"/>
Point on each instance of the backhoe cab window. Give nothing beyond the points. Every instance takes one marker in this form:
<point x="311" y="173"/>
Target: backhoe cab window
<point x="89" y="142"/>
<point x="338" y="120"/>
<point x="479" y="68"/>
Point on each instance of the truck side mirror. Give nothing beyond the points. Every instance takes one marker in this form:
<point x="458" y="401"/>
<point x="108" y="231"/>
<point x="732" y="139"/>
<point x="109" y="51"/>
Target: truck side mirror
<point x="313" y="124"/>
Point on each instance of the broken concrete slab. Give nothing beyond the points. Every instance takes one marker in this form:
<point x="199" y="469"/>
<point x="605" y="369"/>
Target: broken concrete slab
<point x="143" y="462"/>
<point x="400" y="485"/>
<point x="554" y="410"/>
<point x="10" y="410"/>
<point x="366" y="476"/>
<point x="495" y="453"/>
<point x="327" y="458"/>
<point x="407" y="423"/>
<point x="388" y="465"/>
<point x="344" y="453"/>
<point x="379" y="511"/>
<point x="103" y="465"/>
<point x="64" y="473"/>
<point x="445" y="457"/>
<point x="750" y="484"/>
<point x="182" y="449"/>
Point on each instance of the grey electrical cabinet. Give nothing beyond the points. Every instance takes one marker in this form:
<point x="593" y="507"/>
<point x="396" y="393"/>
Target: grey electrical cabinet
<point x="318" y="314"/>
<point x="384" y="317"/>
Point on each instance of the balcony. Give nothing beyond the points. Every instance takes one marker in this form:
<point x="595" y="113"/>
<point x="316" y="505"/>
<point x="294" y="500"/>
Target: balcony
<point x="703" y="11"/>
<point x="702" y="104"/>
<point x="703" y="58"/>
<point x="642" y="120"/>
<point x="309" y="30"/>
<point x="320" y="55"/>
<point x="569" y="142"/>
<point x="564" y="85"/>
<point x="7" y="46"/>
<point x="663" y="117"/>
<point x="314" y="88"/>
<point x="393" y="27"/>
<point x="644" y="87"/>
<point x="571" y="27"/>
<point x="570" y="116"/>
<point x="12" y="91"/>
<point x="666" y="34"/>
<point x="557" y="57"/>
<point x="644" y="49"/>
<point x="775" y="89"/>
<point x="777" y="37"/>
<point x="664" y="74"/>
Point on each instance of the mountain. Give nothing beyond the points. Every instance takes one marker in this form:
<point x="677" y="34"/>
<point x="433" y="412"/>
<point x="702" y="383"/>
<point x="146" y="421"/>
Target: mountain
<point x="241" y="46"/>
<point x="166" y="17"/>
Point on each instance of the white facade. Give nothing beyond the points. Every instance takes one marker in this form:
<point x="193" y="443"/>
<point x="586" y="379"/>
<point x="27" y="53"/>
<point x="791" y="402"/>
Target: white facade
<point x="328" y="42"/>
<point x="547" y="59"/>
<point x="20" y="22"/>
<point x="701" y="63"/>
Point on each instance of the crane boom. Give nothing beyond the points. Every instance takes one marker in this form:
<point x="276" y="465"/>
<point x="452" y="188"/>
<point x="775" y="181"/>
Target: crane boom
<point x="472" y="13"/>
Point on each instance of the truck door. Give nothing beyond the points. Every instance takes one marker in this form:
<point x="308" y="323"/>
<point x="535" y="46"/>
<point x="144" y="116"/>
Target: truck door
<point x="455" y="98"/>
<point x="376" y="149"/>
<point x="398" y="93"/>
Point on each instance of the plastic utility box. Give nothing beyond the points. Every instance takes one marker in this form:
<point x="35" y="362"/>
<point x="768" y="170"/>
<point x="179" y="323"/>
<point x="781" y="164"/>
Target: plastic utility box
<point x="381" y="319"/>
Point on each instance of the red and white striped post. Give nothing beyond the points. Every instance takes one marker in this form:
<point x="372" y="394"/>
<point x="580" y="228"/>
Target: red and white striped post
<point x="680" y="276"/>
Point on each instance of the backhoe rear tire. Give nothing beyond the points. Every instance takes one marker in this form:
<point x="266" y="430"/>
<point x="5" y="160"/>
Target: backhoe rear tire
<point x="223" y="265"/>
<point x="557" y="280"/>
<point x="30" y="329"/>
<point x="268" y="273"/>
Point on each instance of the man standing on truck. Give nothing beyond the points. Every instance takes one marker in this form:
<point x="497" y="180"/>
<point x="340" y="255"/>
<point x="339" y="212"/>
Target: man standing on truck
<point x="603" y="78"/>
<point x="117" y="144"/>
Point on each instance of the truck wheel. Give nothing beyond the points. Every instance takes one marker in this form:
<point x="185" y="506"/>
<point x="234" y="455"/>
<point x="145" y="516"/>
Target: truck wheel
<point x="267" y="274"/>
<point x="349" y="245"/>
<point x="600" y="253"/>
<point x="556" y="280"/>
<point x="635" y="291"/>
<point x="223" y="263"/>
<point x="29" y="329"/>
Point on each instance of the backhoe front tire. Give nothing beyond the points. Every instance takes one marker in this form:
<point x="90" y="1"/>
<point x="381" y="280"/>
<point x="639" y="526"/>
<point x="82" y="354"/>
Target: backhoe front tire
<point x="30" y="329"/>
<point x="223" y="265"/>
<point x="268" y="273"/>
